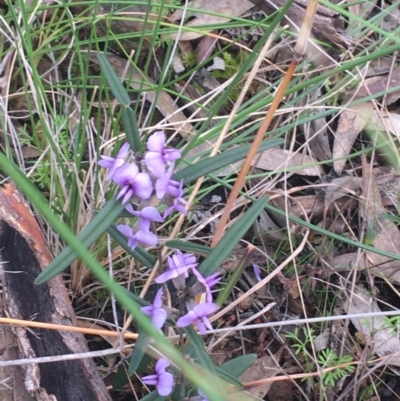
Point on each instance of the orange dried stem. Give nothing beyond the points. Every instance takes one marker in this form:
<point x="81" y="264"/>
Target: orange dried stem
<point x="298" y="54"/>
<point x="49" y="326"/>
<point x="252" y="153"/>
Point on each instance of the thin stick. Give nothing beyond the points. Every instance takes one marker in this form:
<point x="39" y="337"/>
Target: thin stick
<point x="298" y="53"/>
<point x="50" y="326"/>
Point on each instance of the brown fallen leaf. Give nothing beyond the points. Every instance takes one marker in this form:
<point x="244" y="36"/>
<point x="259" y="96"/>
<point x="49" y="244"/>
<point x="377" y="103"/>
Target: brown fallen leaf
<point x="276" y="158"/>
<point x="201" y="16"/>
<point x="375" y="85"/>
<point x="340" y="187"/>
<point x="383" y="233"/>
<point x="376" y="330"/>
<point x="351" y="122"/>
<point x="263" y="368"/>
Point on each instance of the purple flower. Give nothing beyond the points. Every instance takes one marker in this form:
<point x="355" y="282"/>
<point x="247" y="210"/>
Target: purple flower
<point x="166" y="185"/>
<point x="198" y="315"/>
<point x="132" y="182"/>
<point x="156" y="312"/>
<point x="208" y="282"/>
<point x="164" y="381"/>
<point x="178" y="264"/>
<point x="112" y="163"/>
<point x="136" y="236"/>
<point x="157" y="157"/>
<point x="201" y="394"/>
<point x="257" y="271"/>
<point x="146" y="216"/>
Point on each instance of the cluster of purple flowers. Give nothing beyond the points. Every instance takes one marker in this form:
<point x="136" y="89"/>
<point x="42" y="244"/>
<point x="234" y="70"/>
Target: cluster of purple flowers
<point x="179" y="266"/>
<point x="139" y="181"/>
<point x="152" y="175"/>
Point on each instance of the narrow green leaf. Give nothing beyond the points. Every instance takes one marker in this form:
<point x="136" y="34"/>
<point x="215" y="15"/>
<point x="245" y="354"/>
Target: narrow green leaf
<point x="188" y="246"/>
<point x="139" y="352"/>
<point x="138" y="253"/>
<point x="231" y="238"/>
<point x="153" y="396"/>
<point x="87" y="237"/>
<point x="233" y="279"/>
<point x="203" y="358"/>
<point x="113" y="80"/>
<point x="131" y="128"/>
<point x="207" y="166"/>
<point x="238" y="365"/>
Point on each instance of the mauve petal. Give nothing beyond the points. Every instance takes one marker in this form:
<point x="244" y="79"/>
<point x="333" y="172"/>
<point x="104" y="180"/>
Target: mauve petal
<point x="201" y="327"/>
<point x="165" y="384"/>
<point x="147" y="238"/>
<point x="206" y="323"/>
<point x="143" y="186"/>
<point x="150" y="380"/>
<point x="128" y="195"/>
<point x="172" y="154"/>
<point x="168" y="275"/>
<point x="158" y="318"/>
<point x="126" y="230"/>
<point x="205" y="309"/>
<point x="106" y="162"/>
<point x="187" y="319"/>
<point x="162" y="185"/>
<point x="213" y="279"/>
<point x="151" y="213"/>
<point x="155" y="163"/>
<point x="156" y="142"/>
<point x="133" y="243"/>
<point x="118" y="163"/>
<point x="161" y="365"/>
<point x="257" y="271"/>
<point x="123" y="191"/>
<point x="123" y="152"/>
<point x="157" y="303"/>
<point x="147" y="310"/>
<point x="125" y="174"/>
<point x="129" y="208"/>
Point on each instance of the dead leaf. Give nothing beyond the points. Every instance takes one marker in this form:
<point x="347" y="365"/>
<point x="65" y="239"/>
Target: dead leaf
<point x="229" y="8"/>
<point x="384" y="233"/>
<point x="376" y="330"/>
<point x="351" y="122"/>
<point x="375" y="85"/>
<point x="340" y="187"/>
<point x="390" y="122"/>
<point x="263" y="368"/>
<point x="276" y="158"/>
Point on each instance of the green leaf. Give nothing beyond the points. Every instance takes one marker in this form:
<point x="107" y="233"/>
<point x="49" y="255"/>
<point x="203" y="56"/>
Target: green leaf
<point x="188" y="246"/>
<point x="231" y="238"/>
<point x="87" y="237"/>
<point x="202" y="356"/>
<point x="153" y="396"/>
<point x="138" y="253"/>
<point x="131" y="128"/>
<point x="238" y="365"/>
<point x="113" y="80"/>
<point x="233" y="279"/>
<point x="210" y="164"/>
<point x="139" y="352"/>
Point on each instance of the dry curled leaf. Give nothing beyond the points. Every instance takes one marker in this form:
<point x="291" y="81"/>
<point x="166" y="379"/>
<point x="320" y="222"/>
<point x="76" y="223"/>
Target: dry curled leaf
<point x="201" y="16"/>
<point x="281" y="159"/>
<point x="376" y="330"/>
<point x="351" y="122"/>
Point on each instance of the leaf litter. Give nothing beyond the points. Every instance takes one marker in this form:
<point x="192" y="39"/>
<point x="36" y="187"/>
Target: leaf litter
<point x="351" y="198"/>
